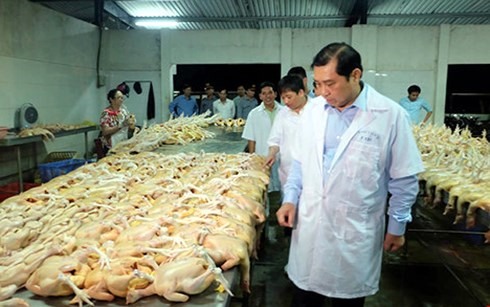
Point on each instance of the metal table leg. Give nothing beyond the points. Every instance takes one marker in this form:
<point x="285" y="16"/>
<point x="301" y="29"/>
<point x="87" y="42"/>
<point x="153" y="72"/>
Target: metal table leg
<point x="19" y="169"/>
<point x="86" y="146"/>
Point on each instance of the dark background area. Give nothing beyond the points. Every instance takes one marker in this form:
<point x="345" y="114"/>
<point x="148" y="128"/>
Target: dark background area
<point x="228" y="76"/>
<point x="468" y="98"/>
<point x="468" y="89"/>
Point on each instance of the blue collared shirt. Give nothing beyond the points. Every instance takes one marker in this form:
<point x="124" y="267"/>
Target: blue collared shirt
<point x="413" y="108"/>
<point x="244" y="105"/>
<point x="182" y="105"/>
<point x="207" y="104"/>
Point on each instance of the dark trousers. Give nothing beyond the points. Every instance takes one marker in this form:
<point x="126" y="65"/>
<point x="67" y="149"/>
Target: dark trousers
<point x="350" y="302"/>
<point x="302" y="298"/>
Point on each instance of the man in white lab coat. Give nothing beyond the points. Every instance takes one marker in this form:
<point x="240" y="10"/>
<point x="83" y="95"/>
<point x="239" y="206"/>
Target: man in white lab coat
<point x="354" y="146"/>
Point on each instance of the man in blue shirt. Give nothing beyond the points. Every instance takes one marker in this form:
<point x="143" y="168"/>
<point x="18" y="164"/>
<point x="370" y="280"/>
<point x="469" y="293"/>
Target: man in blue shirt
<point x="413" y="104"/>
<point x="245" y="104"/>
<point x="208" y="100"/>
<point x="183" y="104"/>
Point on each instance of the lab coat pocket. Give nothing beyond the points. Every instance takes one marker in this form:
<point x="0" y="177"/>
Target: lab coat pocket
<point x="350" y="223"/>
<point x="362" y="163"/>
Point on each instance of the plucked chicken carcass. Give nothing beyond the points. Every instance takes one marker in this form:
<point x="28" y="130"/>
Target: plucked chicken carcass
<point x="228" y="252"/>
<point x="176" y="280"/>
<point x="86" y="232"/>
<point x="14" y="302"/>
<point x="7" y="292"/>
<point x="44" y="133"/>
<point x="457" y="164"/>
<point x="483" y="204"/>
<point x="44" y="281"/>
<point x="104" y="285"/>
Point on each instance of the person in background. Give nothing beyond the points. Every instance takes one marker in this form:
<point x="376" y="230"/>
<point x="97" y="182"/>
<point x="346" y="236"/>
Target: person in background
<point x="301" y="72"/>
<point x="354" y="145"/>
<point x="224" y="106"/>
<point x="246" y="103"/>
<point x="282" y="135"/>
<point x="116" y="123"/>
<point x="283" y="132"/>
<point x="413" y="104"/>
<point x="258" y="126"/>
<point x="184" y="104"/>
<point x="240" y="93"/>
<point x="207" y="102"/>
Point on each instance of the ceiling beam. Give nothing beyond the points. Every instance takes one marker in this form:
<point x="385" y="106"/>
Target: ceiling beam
<point x="241" y="19"/>
<point x="431" y="15"/>
<point x="99" y="13"/>
<point x="358" y="13"/>
<point x="114" y="10"/>
<point x="310" y="18"/>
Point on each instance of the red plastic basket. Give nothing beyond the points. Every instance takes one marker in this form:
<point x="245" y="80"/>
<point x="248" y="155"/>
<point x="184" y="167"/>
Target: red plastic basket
<point x="12" y="189"/>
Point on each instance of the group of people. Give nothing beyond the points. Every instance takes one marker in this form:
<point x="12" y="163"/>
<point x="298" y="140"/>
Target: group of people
<point x="245" y="101"/>
<point x="239" y="107"/>
<point x="338" y="156"/>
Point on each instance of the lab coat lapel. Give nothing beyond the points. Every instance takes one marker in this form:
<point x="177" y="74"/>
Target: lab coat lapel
<point x="320" y="122"/>
<point x="362" y="119"/>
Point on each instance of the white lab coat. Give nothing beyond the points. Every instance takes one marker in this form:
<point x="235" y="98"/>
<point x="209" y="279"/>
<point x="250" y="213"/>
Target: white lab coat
<point x="336" y="248"/>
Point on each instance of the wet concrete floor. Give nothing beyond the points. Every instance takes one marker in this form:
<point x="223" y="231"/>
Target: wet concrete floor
<point x="435" y="270"/>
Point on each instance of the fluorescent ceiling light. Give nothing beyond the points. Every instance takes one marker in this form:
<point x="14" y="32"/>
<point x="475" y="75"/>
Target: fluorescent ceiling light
<point x="156" y="24"/>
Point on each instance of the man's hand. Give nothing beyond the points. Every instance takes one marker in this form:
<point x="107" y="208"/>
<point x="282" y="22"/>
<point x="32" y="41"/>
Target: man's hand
<point x="286" y="215"/>
<point x="393" y="243"/>
<point x="131" y="121"/>
<point x="269" y="160"/>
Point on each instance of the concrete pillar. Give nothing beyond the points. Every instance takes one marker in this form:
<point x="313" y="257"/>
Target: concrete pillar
<point x="441" y="75"/>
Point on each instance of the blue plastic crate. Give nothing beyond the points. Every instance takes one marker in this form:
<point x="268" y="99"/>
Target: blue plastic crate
<point x="51" y="170"/>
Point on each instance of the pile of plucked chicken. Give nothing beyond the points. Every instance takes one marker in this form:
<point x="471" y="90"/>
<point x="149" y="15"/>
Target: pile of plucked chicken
<point x="47" y="131"/>
<point x="457" y="164"/>
<point x="179" y="130"/>
<point x="132" y="226"/>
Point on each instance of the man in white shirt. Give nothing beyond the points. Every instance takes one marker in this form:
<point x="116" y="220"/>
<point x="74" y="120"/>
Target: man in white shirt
<point x="258" y="126"/>
<point x="283" y="133"/>
<point x="224" y="106"/>
<point x="281" y="138"/>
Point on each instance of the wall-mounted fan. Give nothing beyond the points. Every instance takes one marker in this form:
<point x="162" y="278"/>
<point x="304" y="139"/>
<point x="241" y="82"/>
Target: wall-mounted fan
<point x="26" y="116"/>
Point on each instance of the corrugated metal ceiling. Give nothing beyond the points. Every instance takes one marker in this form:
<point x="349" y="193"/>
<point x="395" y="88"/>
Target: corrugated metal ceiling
<point x="265" y="14"/>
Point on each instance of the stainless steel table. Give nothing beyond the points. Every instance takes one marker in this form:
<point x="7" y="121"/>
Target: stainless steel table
<point x="17" y="142"/>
